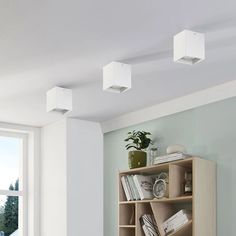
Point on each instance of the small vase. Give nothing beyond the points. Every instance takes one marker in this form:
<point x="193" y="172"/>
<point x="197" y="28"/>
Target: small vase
<point x="137" y="159"/>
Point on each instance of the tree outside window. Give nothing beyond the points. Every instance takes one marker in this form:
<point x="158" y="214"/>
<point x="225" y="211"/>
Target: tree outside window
<point x="12" y="192"/>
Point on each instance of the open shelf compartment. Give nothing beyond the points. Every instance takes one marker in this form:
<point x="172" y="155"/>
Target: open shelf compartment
<point x="126" y="231"/>
<point x="142" y="208"/>
<point x="163" y="211"/>
<point x="177" y="176"/>
<point x="127" y="214"/>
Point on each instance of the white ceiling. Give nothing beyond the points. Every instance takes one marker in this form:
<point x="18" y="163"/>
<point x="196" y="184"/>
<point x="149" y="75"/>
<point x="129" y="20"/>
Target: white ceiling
<point x="67" y="42"/>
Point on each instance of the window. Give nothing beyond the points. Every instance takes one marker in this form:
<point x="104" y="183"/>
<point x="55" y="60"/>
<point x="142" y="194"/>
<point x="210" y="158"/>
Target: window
<point x="13" y="176"/>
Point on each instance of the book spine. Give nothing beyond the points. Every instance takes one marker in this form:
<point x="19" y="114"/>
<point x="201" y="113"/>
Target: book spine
<point x="135" y="188"/>
<point x="178" y="154"/>
<point x="125" y="188"/>
<point x="138" y="187"/>
<point x="169" y="159"/>
<point x="129" y="178"/>
<point x="129" y="188"/>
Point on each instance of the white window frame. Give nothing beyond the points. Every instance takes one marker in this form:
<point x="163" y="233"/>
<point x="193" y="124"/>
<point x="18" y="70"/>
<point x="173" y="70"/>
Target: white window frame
<point x="23" y="180"/>
<point x="31" y="181"/>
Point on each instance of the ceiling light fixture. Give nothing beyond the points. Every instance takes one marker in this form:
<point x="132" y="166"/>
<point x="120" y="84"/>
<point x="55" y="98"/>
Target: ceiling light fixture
<point x="189" y="47"/>
<point x="59" y="100"/>
<point x="116" y="77"/>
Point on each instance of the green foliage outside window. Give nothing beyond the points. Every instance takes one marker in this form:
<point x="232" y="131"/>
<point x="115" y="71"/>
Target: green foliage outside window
<point x="9" y="212"/>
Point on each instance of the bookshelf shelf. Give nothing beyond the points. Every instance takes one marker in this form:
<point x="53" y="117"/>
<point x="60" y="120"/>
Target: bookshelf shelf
<point x="127" y="231"/>
<point x="202" y="202"/>
<point x="175" y="199"/>
<point x="127" y="226"/>
<point x="160" y="167"/>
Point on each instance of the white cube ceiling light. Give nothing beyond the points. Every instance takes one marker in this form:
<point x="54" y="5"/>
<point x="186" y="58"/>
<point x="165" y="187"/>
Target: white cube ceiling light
<point x="116" y="77"/>
<point x="189" y="47"/>
<point x="59" y="100"/>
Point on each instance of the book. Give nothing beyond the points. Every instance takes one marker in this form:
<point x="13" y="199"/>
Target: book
<point x="135" y="188"/>
<point x="171" y="157"/>
<point x="149" y="225"/>
<point x="177" y="223"/>
<point x="178" y="220"/>
<point x="175" y="216"/>
<point x="176" y="227"/>
<point x="176" y="154"/>
<point x="130" y="183"/>
<point x="123" y="182"/>
<point x="144" y="185"/>
<point x="129" y="188"/>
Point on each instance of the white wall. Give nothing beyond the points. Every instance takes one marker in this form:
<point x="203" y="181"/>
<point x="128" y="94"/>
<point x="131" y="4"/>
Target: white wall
<point x="53" y="180"/>
<point x="85" y="178"/>
<point x="72" y="179"/>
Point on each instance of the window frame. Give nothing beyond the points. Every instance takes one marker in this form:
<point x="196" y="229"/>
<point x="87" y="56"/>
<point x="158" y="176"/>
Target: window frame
<point x="23" y="179"/>
<point x="34" y="151"/>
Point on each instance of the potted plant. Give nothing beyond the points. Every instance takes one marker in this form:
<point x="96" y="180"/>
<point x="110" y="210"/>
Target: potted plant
<point x="139" y="141"/>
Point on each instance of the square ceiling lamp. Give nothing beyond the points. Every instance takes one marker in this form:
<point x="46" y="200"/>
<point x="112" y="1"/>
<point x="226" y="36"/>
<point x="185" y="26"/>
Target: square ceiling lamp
<point x="189" y="47"/>
<point x="116" y="77"/>
<point x="59" y="100"/>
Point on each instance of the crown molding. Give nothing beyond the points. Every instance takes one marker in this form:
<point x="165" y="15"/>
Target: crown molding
<point x="197" y="99"/>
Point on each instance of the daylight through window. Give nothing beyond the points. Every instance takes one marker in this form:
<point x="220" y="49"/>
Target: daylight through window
<point x="12" y="185"/>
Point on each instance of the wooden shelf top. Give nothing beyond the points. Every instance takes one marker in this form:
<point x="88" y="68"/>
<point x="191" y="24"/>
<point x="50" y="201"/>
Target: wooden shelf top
<point x="127" y="226"/>
<point x="167" y="200"/>
<point x="159" y="167"/>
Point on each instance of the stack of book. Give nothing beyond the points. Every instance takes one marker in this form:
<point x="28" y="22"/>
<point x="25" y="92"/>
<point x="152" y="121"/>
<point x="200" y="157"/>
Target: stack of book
<point x="177" y="221"/>
<point x="170" y="157"/>
<point x="137" y="187"/>
<point x="149" y="225"/>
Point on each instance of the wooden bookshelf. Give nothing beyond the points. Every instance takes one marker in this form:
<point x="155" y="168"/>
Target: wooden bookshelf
<point x="202" y="202"/>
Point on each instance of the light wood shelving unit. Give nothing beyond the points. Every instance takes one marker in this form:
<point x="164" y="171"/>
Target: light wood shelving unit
<point x="202" y="202"/>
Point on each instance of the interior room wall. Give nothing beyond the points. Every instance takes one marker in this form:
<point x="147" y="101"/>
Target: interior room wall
<point x="71" y="179"/>
<point x="53" y="179"/>
<point x="208" y="131"/>
<point x="84" y="178"/>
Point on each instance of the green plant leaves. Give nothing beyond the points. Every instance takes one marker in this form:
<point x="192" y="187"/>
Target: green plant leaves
<point x="139" y="140"/>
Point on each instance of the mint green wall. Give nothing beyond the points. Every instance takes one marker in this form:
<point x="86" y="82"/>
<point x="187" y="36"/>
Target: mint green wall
<point x="208" y="131"/>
